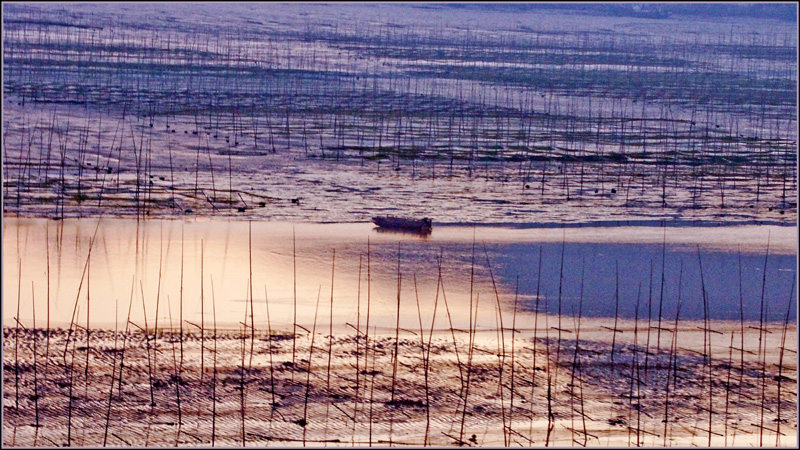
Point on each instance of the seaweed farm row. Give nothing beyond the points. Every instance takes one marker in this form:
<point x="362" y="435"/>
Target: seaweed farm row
<point x="110" y="114"/>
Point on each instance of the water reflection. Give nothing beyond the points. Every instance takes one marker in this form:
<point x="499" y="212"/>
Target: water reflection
<point x="656" y="278"/>
<point x="424" y="235"/>
<point x="170" y="271"/>
<point x="184" y="272"/>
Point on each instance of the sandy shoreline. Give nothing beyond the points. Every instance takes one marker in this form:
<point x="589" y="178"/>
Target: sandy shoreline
<point x="594" y="397"/>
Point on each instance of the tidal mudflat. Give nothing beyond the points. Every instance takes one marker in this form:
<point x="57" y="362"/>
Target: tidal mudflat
<point x="236" y="333"/>
<point x="331" y="113"/>
<point x="188" y="258"/>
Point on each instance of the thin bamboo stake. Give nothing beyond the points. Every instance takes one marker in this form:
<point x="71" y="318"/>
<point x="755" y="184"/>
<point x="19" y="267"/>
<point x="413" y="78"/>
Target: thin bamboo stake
<point x="180" y="310"/>
<point x="778" y="419"/>
<point x="741" y="332"/>
<point x="175" y="374"/>
<point x="47" y="341"/>
<point x="470" y="352"/>
<point x="71" y="370"/>
<point x="450" y="322"/>
<point x="304" y="422"/>
<point x="706" y="345"/>
<point x="271" y="364"/>
<point x="35" y="361"/>
<point x="158" y="303"/>
<point x="125" y="336"/>
<point x="80" y="286"/>
<point x="366" y="331"/>
<point x="513" y="340"/>
<point x="535" y="331"/>
<point x="202" y="311"/>
<point x="88" y="329"/>
<point x="372" y="393"/>
<point x="330" y="347"/>
<point x="728" y="388"/>
<point x="502" y="343"/>
<point x="616" y="312"/>
<point x="16" y="341"/>
<point x="661" y="297"/>
<point x="214" y="373"/>
<point x="243" y="371"/>
<point x="762" y="356"/>
<point x="252" y="312"/>
<point x="147" y="345"/>
<point x="357" y="397"/>
<point x="395" y="354"/>
<point x="673" y="362"/>
<point x="113" y="374"/>
<point x="425" y="368"/>
<point x="560" y="285"/>
<point x="294" y="303"/>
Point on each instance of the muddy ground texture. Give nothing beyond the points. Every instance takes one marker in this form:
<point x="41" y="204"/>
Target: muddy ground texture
<point x="337" y="113"/>
<point x="276" y="114"/>
<point x="121" y="389"/>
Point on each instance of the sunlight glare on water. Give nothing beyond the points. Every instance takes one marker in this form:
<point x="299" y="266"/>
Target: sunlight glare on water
<point x="186" y="269"/>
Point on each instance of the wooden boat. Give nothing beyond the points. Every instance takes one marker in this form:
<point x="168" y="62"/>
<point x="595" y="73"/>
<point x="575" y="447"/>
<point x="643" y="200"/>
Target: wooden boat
<point x="423" y="225"/>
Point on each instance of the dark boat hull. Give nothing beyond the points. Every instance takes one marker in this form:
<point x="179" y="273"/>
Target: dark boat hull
<point x="401" y="223"/>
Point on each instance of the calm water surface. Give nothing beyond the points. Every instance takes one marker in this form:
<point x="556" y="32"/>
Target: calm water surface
<point x="166" y="271"/>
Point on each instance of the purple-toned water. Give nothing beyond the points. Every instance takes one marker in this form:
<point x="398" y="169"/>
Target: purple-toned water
<point x="172" y="269"/>
<point x="334" y="113"/>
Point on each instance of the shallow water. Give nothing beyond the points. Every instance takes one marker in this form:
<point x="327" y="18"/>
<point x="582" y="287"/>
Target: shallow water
<point x="194" y="272"/>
